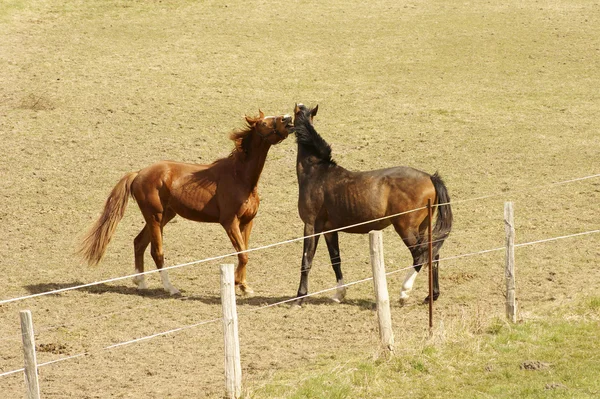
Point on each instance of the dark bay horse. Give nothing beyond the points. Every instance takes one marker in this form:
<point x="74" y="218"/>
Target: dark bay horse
<point x="331" y="197"/>
<point x="223" y="192"/>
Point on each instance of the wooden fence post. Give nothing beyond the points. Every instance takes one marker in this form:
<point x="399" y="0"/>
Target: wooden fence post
<point x="31" y="376"/>
<point x="233" y="367"/>
<point x="382" y="297"/>
<point x="509" y="227"/>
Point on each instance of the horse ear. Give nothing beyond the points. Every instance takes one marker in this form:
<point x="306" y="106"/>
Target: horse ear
<point x="261" y="114"/>
<point x="251" y="121"/>
<point x="296" y="108"/>
<point x="313" y="112"/>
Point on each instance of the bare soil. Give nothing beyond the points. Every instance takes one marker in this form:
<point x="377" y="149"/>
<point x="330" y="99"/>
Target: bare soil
<point x="500" y="98"/>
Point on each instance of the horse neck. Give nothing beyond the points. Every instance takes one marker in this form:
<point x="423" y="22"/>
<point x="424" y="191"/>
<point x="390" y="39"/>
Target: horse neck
<point x="305" y="156"/>
<point x="254" y="162"/>
<point x="308" y="165"/>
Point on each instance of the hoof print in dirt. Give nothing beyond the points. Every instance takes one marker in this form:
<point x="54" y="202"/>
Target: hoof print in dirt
<point x="534" y="365"/>
<point x="57" y="349"/>
<point x="555" y="385"/>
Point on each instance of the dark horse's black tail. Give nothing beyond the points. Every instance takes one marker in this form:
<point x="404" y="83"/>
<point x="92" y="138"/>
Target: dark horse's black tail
<point x="443" y="224"/>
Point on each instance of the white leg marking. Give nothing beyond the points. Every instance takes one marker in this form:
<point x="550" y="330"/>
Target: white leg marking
<point x="164" y="275"/>
<point x="340" y="293"/>
<point x="140" y="281"/>
<point x="408" y="283"/>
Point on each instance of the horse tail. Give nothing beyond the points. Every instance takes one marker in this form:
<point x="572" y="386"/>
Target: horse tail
<point x="96" y="240"/>
<point x="443" y="224"/>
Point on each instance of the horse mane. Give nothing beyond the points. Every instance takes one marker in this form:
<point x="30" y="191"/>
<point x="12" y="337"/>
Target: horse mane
<point x="311" y="140"/>
<point x="241" y="139"/>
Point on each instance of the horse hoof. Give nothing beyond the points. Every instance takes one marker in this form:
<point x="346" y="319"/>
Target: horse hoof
<point x="338" y="298"/>
<point x="435" y="298"/>
<point x="403" y="301"/>
<point x="246" y="291"/>
<point x="297" y="304"/>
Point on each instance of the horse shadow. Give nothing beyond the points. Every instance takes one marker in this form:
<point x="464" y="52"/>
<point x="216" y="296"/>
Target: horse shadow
<point x="211" y="299"/>
<point x="259" y="301"/>
<point x="99" y="289"/>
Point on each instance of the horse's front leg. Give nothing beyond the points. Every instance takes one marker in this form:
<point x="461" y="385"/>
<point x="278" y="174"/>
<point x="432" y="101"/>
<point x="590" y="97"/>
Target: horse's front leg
<point x="239" y="244"/>
<point x="308" y="253"/>
<point x="333" y="247"/>
<point x="240" y="273"/>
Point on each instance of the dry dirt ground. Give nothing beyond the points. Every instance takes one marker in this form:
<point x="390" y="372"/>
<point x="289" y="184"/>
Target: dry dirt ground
<point x="500" y="97"/>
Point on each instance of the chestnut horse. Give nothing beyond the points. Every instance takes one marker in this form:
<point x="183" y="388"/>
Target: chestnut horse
<point x="331" y="197"/>
<point x="223" y="192"/>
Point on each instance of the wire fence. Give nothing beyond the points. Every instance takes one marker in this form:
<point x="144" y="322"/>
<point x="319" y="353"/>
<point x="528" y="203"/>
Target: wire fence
<point x="279" y="303"/>
<point x="294" y="299"/>
<point x="272" y="245"/>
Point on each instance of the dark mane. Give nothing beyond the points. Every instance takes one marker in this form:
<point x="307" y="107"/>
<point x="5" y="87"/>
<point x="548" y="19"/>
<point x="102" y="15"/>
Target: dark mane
<point x="311" y="140"/>
<point x="241" y="140"/>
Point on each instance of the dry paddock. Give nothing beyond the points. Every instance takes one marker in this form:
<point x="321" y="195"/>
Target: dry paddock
<point x="500" y="98"/>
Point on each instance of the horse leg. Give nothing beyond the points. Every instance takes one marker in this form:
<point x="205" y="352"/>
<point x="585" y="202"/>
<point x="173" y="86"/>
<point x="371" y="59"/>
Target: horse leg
<point x="156" y="248"/>
<point x="140" y="243"/>
<point x="419" y="258"/>
<point x="420" y="254"/>
<point x="436" y="284"/>
<point x="437" y="245"/>
<point x="310" y="246"/>
<point x="336" y="262"/>
<point x="418" y="250"/>
<point x="240" y="272"/>
<point x="168" y="215"/>
<point x="237" y="239"/>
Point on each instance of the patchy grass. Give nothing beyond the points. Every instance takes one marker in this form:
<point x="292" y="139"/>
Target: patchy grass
<point x="551" y="358"/>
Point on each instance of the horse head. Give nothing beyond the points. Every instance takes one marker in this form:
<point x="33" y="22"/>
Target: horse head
<point x="301" y="111"/>
<point x="273" y="129"/>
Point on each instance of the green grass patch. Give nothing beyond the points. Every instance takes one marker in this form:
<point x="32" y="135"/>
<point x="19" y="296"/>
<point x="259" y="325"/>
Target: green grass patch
<point x="551" y="358"/>
<point x="594" y="304"/>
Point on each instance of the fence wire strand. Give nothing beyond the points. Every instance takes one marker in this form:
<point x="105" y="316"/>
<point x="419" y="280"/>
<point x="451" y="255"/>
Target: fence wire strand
<point x="145" y="338"/>
<point x="5" y="301"/>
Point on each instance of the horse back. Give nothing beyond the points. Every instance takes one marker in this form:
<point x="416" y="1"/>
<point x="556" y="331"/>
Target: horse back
<point x="356" y="197"/>
<point x="188" y="189"/>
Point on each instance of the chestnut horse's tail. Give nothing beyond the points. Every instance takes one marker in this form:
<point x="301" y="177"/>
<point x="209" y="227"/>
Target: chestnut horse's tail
<point x="443" y="224"/>
<point x="96" y="240"/>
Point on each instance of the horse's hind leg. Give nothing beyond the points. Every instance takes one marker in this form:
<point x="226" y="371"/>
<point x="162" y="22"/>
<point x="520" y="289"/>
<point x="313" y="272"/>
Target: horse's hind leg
<point x="419" y="258"/>
<point x="155" y="226"/>
<point x="420" y="253"/>
<point x="414" y="241"/>
<point x="336" y="262"/>
<point x="437" y="245"/>
<point x="140" y="243"/>
<point x="436" y="283"/>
